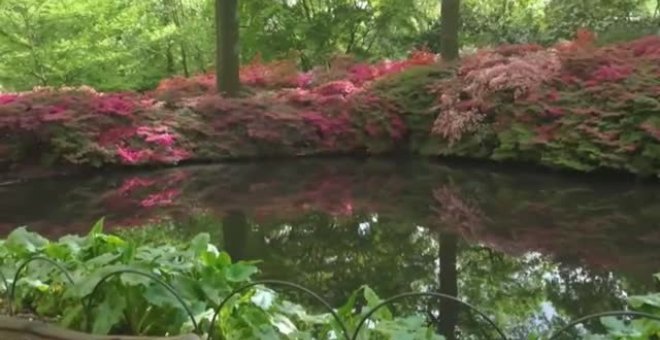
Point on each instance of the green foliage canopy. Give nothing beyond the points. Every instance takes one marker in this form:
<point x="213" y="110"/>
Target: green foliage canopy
<point x="131" y="45"/>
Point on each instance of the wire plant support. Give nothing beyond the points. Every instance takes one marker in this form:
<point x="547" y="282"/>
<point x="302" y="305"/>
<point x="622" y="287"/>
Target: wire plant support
<point x="343" y="331"/>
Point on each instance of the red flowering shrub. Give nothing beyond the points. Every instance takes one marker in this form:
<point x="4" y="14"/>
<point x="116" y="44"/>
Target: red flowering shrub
<point x="281" y="73"/>
<point x="581" y="107"/>
<point x="7" y="98"/>
<point x="464" y="100"/>
<point x="173" y="89"/>
<point x="336" y="88"/>
<point x="572" y="106"/>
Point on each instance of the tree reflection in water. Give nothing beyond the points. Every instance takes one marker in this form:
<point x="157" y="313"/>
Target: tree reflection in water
<point x="524" y="294"/>
<point x="530" y="249"/>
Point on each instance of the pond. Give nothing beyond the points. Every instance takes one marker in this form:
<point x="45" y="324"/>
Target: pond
<point x="532" y="248"/>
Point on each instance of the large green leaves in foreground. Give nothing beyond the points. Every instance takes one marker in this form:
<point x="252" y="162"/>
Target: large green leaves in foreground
<point x="129" y="303"/>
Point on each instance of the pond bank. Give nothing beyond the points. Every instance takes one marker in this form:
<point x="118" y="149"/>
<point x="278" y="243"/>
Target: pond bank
<point x="574" y="106"/>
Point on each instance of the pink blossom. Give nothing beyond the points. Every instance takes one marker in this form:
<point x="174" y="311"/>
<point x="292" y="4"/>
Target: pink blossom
<point x="129" y="156"/>
<point x="176" y="155"/>
<point x="7" y="98"/>
<point x="398" y="128"/>
<point x="114" y="104"/>
<point x="116" y="135"/>
<point x="164" y="139"/>
<point x="160" y="199"/>
<point x="158" y="135"/>
<point x="133" y="183"/>
<point x="611" y="73"/>
<point x="303" y="80"/>
<point x="55" y="113"/>
<point x="327" y="126"/>
<point x="341" y="87"/>
<point x="362" y="73"/>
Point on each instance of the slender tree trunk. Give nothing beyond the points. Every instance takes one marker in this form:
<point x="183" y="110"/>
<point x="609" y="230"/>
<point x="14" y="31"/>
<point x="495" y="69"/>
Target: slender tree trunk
<point x="448" y="285"/>
<point x="177" y="17"/>
<point x="199" y="57"/>
<point x="227" y="48"/>
<point x="170" y="59"/>
<point x="449" y="25"/>
<point x="167" y="19"/>
<point x="184" y="61"/>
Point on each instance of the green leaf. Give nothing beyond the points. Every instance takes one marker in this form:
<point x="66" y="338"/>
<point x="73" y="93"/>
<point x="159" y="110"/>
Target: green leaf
<point x="283" y="324"/>
<point x="637" y="301"/>
<point x="102" y="260"/>
<point x="200" y="243"/>
<point x="346" y="310"/>
<point x="97" y="229"/>
<point x="71" y="315"/>
<point x="613" y="324"/>
<point x="132" y="279"/>
<point x="109" y="313"/>
<point x="86" y="285"/>
<point x="161" y="297"/>
<point x="263" y="298"/>
<point x="240" y="272"/>
<point x="57" y="251"/>
<point x="373" y="300"/>
<point x="73" y="242"/>
<point x="22" y="241"/>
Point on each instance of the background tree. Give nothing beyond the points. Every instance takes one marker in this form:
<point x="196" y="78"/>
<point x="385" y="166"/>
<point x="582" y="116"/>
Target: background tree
<point x="450" y="21"/>
<point x="132" y="45"/>
<point x="227" y="47"/>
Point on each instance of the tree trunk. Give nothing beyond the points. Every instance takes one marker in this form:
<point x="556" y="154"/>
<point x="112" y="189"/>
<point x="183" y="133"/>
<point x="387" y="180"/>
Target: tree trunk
<point x="449" y="25"/>
<point x="235" y="232"/>
<point x="227" y="48"/>
<point x="448" y="285"/>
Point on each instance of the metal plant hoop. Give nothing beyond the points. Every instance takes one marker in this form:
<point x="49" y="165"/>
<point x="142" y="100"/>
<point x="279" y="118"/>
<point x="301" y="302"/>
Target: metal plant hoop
<point x="278" y="283"/>
<point x="429" y="294"/>
<point x="88" y="301"/>
<point x="23" y="266"/>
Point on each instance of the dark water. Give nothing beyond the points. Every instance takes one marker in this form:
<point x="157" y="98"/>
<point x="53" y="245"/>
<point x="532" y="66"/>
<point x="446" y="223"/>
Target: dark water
<point x="531" y="249"/>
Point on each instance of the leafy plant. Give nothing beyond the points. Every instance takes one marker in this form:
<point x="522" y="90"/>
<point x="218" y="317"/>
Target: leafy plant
<point x="142" y="304"/>
<point x="639" y="328"/>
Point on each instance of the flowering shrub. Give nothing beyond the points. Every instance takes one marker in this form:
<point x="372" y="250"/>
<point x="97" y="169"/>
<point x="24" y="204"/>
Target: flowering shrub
<point x="464" y="100"/>
<point x="282" y="73"/>
<point x="581" y="107"/>
<point x="572" y="106"/>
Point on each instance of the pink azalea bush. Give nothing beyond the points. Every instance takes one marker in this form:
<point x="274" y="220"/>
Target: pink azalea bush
<point x="573" y="105"/>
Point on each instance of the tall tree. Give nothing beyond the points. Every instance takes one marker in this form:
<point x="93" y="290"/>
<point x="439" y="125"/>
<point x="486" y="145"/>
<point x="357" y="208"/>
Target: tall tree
<point x="450" y="21"/>
<point x="227" y="48"/>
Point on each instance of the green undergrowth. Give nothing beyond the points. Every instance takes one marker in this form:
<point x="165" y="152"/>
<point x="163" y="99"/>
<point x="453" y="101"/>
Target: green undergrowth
<point x="410" y="92"/>
<point x="202" y="275"/>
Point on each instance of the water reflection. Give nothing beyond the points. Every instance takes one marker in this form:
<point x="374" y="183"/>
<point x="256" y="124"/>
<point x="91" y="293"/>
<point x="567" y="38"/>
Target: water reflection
<point x="524" y="294"/>
<point x="532" y="250"/>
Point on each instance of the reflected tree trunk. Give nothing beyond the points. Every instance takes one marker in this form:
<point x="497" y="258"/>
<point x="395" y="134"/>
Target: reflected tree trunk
<point x="448" y="280"/>
<point x="235" y="230"/>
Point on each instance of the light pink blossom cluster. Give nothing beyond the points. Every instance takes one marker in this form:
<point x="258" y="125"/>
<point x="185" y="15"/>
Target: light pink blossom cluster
<point x="488" y="73"/>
